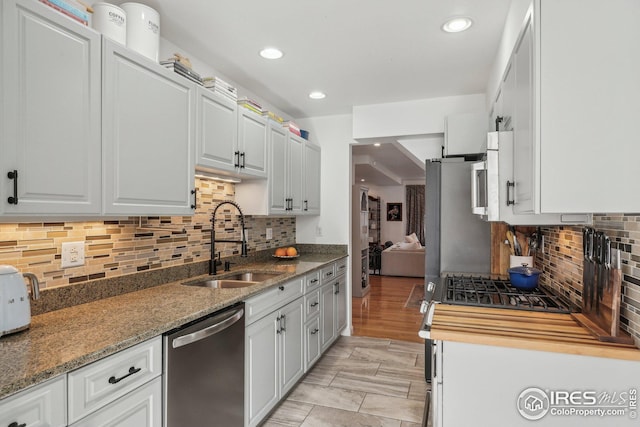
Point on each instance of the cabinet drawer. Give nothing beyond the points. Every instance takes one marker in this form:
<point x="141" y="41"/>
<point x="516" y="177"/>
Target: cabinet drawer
<point x="311" y="304"/>
<point x="140" y="408"/>
<point x="104" y="381"/>
<point x="341" y="267"/>
<point x="311" y="281"/>
<point x="272" y="299"/>
<point x="327" y="273"/>
<point x="44" y="405"/>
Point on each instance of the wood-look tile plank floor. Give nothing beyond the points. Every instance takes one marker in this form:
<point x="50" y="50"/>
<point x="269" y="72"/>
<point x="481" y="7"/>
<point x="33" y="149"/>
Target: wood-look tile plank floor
<point x="375" y="380"/>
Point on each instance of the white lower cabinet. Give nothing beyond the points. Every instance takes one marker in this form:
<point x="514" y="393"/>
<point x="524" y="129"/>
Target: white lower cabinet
<point x="44" y="405"/>
<point x="102" y="382"/>
<point x="140" y="408"/>
<point x="311" y="342"/>
<point x="333" y="310"/>
<point x="273" y="359"/>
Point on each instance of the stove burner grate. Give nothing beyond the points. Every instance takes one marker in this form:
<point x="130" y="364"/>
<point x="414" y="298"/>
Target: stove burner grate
<point x="488" y="292"/>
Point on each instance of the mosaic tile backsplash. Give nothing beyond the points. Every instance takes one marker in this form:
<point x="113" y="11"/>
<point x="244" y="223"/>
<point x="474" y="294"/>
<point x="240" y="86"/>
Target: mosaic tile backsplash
<point x="562" y="263"/>
<point x="118" y="247"/>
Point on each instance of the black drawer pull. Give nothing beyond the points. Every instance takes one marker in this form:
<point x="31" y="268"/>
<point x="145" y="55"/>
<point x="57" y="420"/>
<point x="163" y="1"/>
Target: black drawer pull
<point x="313" y="281"/>
<point x="13" y="200"/>
<point x="243" y="160"/>
<point x="315" y="304"/>
<point x="15" y="424"/>
<point x="281" y="288"/>
<point x="315" y="331"/>
<point x="132" y="370"/>
<point x="195" y="198"/>
<point x="237" y="161"/>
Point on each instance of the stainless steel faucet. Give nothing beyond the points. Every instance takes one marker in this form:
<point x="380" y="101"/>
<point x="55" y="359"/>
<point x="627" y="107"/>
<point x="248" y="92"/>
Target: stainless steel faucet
<point x="213" y="263"/>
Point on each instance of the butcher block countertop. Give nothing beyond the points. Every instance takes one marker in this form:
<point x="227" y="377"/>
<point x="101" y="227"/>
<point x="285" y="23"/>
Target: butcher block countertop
<point x="553" y="332"/>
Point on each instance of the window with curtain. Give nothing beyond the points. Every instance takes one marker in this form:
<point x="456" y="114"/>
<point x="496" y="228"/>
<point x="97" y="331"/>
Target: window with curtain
<point x="415" y="210"/>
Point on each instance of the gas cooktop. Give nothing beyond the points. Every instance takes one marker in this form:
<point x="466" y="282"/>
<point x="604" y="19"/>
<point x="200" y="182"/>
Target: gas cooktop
<point x="498" y="293"/>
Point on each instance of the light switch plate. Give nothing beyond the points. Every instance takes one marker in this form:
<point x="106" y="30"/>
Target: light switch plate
<point x="72" y="254"/>
<point x="269" y="233"/>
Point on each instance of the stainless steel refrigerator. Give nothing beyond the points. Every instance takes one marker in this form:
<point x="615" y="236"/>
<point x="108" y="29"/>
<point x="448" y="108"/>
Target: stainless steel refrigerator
<point x="456" y="240"/>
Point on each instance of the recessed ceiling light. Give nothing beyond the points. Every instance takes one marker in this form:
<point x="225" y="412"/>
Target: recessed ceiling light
<point x="377" y="144"/>
<point x="317" y="95"/>
<point x="271" y="53"/>
<point x="457" y="24"/>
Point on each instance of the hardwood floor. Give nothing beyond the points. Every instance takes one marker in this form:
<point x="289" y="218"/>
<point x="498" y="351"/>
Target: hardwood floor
<point x="382" y="312"/>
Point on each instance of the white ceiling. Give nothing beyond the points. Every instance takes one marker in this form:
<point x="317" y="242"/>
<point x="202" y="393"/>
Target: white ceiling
<point x="358" y="52"/>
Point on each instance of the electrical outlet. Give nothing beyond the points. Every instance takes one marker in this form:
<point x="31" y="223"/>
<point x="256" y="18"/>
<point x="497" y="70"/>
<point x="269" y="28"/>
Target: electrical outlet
<point x="318" y="231"/>
<point x="72" y="254"/>
<point x="269" y="233"/>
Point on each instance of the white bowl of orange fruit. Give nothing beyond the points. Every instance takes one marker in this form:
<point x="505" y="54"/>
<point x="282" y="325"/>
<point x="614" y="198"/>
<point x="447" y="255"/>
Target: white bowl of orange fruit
<point x="286" y="252"/>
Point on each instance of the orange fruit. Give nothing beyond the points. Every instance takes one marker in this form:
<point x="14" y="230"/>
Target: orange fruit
<point x="291" y="251"/>
<point x="281" y="252"/>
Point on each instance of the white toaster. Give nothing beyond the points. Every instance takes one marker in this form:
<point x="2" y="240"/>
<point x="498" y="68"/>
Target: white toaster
<point x="15" y="307"/>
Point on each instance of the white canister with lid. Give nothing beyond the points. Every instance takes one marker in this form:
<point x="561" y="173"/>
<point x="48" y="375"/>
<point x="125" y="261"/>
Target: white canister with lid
<point x="143" y="29"/>
<point x="111" y="21"/>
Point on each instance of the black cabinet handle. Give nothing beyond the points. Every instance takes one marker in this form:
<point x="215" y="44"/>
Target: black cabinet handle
<point x="510" y="185"/>
<point x="132" y="370"/>
<point x="15" y="424"/>
<point x="313" y="281"/>
<point x="279" y="330"/>
<point x="306" y="205"/>
<point x="281" y="288"/>
<point x="243" y="160"/>
<point x="237" y="161"/>
<point x="337" y="286"/>
<point x="283" y="319"/>
<point x="195" y="198"/>
<point x="13" y="200"/>
<point x="315" y="304"/>
<point x="315" y="331"/>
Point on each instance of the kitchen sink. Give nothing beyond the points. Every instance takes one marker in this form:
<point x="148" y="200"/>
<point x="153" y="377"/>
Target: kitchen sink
<point x="238" y="280"/>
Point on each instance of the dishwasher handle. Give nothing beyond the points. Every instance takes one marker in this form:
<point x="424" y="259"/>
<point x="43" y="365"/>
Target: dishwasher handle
<point x="208" y="331"/>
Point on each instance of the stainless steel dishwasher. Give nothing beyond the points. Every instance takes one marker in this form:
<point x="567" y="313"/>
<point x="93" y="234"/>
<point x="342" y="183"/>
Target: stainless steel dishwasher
<point x="204" y="371"/>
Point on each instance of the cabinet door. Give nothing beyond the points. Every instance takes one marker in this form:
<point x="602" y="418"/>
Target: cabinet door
<point x="44" y="405"/>
<point x="261" y="368"/>
<point x="327" y="315"/>
<point x="312" y="163"/>
<point x="148" y="135"/>
<point x="340" y="301"/>
<point x="252" y="143"/>
<point x="50" y="120"/>
<point x="140" y="408"/>
<point x="217" y="131"/>
<point x="291" y="345"/>
<point x="311" y="343"/>
<point x="277" y="169"/>
<point x="296" y="159"/>
<point x="524" y="159"/>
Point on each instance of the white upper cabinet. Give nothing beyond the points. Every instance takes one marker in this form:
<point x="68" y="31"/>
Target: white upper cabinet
<point x="49" y="114"/>
<point x="217" y="131"/>
<point x="148" y="136"/>
<point x="311" y="172"/>
<point x="292" y="185"/>
<point x="252" y="143"/>
<point x="575" y="93"/>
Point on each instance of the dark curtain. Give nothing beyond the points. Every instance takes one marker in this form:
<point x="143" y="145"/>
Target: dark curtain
<point x="415" y="210"/>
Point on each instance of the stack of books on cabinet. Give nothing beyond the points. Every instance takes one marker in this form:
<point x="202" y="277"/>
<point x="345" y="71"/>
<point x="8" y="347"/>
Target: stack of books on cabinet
<point x="184" y="71"/>
<point x="70" y="8"/>
<point x="250" y="104"/>
<point x="293" y="128"/>
<point x="273" y="116"/>
<point x="218" y="85"/>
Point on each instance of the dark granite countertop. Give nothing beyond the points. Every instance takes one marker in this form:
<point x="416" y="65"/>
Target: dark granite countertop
<point x="62" y="340"/>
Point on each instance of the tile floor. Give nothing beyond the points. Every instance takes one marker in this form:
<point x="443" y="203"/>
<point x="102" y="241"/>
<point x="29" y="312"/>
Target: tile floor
<point x="359" y="382"/>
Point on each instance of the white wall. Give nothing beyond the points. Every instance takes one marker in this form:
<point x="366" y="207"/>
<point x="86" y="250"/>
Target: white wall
<point x="418" y="117"/>
<point x="515" y="17"/>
